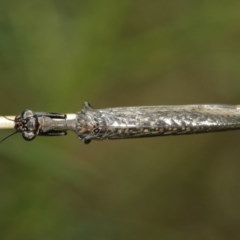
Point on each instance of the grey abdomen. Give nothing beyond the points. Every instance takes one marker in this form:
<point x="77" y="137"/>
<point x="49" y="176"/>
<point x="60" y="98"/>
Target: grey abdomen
<point x="132" y="122"/>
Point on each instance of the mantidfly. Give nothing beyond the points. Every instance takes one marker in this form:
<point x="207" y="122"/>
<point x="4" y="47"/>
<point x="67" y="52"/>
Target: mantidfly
<point x="126" y="122"/>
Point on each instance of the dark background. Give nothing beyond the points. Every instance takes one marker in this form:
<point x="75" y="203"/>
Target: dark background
<point x="54" y="55"/>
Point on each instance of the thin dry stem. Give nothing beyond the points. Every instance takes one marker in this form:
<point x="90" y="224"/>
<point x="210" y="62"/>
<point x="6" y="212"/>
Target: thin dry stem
<point x="7" y="122"/>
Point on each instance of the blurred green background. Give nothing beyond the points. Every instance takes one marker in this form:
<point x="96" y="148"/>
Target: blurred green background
<point x="56" y="54"/>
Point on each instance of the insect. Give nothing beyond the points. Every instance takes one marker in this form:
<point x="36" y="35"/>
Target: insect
<point x="128" y="122"/>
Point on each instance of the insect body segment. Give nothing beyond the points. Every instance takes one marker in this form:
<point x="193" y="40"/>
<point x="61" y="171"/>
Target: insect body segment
<point x="27" y="123"/>
<point x="32" y="124"/>
<point x="151" y="121"/>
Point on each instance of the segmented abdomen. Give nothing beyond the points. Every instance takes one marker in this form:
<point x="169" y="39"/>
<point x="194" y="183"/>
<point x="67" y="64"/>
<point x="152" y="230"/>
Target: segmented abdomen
<point x="132" y="122"/>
